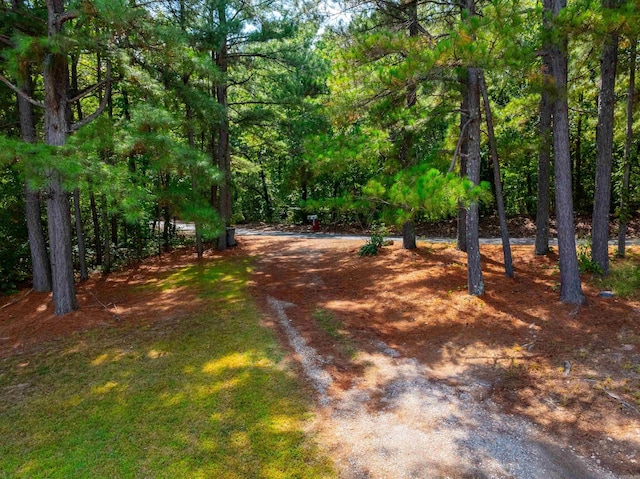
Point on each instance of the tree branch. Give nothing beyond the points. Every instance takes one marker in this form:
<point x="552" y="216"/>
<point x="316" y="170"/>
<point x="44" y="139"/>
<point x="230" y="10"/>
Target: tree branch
<point x="101" y="107"/>
<point x="87" y="91"/>
<point x="65" y="17"/>
<point x="455" y="153"/>
<point x="17" y="90"/>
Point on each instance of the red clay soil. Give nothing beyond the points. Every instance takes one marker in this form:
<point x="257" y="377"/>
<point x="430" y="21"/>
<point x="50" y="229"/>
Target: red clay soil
<point x="517" y="339"/>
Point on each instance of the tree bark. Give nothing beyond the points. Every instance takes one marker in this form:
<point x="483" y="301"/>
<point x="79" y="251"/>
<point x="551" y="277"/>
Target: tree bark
<point x="502" y="214"/>
<point x="474" y="268"/>
<point x="224" y="154"/>
<point x="570" y="286"/>
<point x="544" y="165"/>
<point x="40" y="262"/>
<point x="56" y="77"/>
<point x="464" y="153"/>
<point x="82" y="255"/>
<point x="578" y="197"/>
<point x="604" y="148"/>
<point x="408" y="235"/>
<point x="626" y="178"/>
<point x="96" y="228"/>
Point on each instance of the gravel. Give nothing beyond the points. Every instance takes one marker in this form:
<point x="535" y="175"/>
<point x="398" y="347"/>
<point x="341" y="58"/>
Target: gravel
<point x="398" y="421"/>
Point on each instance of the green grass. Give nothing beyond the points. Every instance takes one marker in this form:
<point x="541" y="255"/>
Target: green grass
<point x="205" y="396"/>
<point x="624" y="277"/>
<point x="334" y="328"/>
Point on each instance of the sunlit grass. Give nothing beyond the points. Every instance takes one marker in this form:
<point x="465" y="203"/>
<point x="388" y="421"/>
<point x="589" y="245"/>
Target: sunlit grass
<point x="624" y="276"/>
<point x="202" y="397"/>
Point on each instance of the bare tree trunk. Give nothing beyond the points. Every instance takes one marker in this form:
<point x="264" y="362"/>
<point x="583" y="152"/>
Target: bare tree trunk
<point x="39" y="256"/>
<point x="408" y="229"/>
<point x="408" y="235"/>
<point x="41" y="266"/>
<point x="570" y="286"/>
<point x="578" y="197"/>
<point x="224" y="154"/>
<point x="604" y="148"/>
<point x="82" y="255"/>
<point x="56" y="77"/>
<point x="96" y="228"/>
<point x="474" y="268"/>
<point x="626" y="178"/>
<point x="544" y="165"/>
<point x="463" y="80"/>
<point x="504" y="232"/>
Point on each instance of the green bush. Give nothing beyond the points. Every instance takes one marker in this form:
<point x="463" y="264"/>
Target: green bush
<point x="374" y="243"/>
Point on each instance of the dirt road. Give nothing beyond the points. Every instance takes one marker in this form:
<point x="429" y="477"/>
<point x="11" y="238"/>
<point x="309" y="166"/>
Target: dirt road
<point x="387" y="413"/>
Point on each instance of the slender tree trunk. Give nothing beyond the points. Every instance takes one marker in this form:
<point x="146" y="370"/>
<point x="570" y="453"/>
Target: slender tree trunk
<point x="40" y="262"/>
<point x="578" y="197"/>
<point x="56" y="76"/>
<point x="604" y="148"/>
<point x="82" y="255"/>
<point x="408" y="229"/>
<point x="570" y="286"/>
<point x="224" y="154"/>
<point x="504" y="232"/>
<point x="108" y="258"/>
<point x="474" y="267"/>
<point x="544" y="165"/>
<point x="194" y="182"/>
<point x="39" y="256"/>
<point x="463" y="80"/>
<point x="626" y="178"/>
<point x="96" y="228"/>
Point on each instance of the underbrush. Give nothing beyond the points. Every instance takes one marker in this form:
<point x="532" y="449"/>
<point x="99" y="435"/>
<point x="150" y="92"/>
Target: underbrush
<point x="202" y="395"/>
<point x="624" y="277"/>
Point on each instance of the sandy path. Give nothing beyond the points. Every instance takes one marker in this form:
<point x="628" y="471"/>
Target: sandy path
<point x="402" y="420"/>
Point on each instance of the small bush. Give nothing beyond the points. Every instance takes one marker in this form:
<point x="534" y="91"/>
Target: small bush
<point x="585" y="260"/>
<point x="374" y="243"/>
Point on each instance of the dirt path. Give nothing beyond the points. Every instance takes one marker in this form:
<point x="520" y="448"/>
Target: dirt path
<point x="387" y="413"/>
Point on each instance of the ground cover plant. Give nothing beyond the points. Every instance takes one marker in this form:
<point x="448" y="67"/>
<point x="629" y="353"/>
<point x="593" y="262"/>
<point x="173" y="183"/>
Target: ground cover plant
<point x="179" y="379"/>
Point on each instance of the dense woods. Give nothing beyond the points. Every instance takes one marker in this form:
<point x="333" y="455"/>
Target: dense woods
<point x="119" y="117"/>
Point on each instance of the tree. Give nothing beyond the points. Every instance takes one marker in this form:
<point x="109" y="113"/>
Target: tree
<point x="624" y="197"/>
<point x="604" y="145"/>
<point x="493" y="148"/>
<point x="544" y="156"/>
<point x="570" y="286"/>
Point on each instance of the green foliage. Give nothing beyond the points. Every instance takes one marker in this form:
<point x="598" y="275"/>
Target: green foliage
<point x="586" y="262"/>
<point x="14" y="249"/>
<point x="375" y="242"/>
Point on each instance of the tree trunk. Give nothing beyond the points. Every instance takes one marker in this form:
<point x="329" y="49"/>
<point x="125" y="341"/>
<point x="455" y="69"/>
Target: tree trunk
<point x="82" y="255"/>
<point x="96" y="228"/>
<point x="408" y="235"/>
<point x="626" y="178"/>
<point x="108" y="257"/>
<point x="40" y="262"/>
<point x="578" y="197"/>
<point x="544" y="165"/>
<point x="464" y="153"/>
<point x="58" y="211"/>
<point x="570" y="286"/>
<point x="504" y="232"/>
<point x="56" y="77"/>
<point x="39" y="256"/>
<point x="604" y="148"/>
<point x="224" y="154"/>
<point x="474" y="268"/>
<point x="194" y="182"/>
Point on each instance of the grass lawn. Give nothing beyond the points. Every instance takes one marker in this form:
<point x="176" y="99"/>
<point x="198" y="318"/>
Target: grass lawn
<point x="205" y="395"/>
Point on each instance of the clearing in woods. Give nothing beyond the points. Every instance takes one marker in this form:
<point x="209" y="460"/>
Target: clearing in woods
<point x="412" y="377"/>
